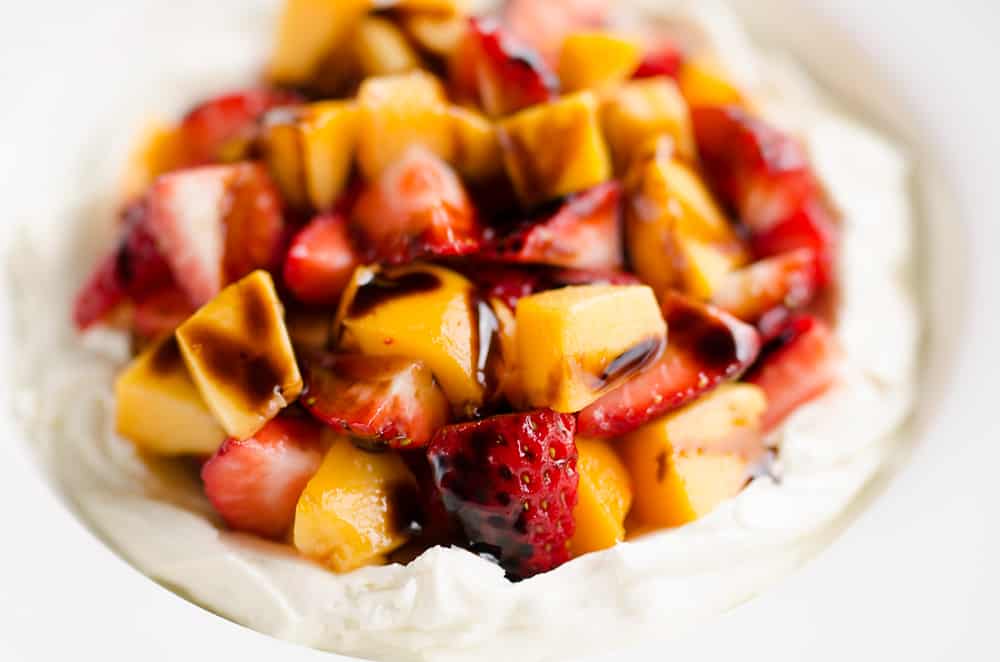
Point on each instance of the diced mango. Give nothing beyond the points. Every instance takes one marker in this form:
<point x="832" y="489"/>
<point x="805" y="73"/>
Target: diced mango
<point x="643" y="109"/>
<point x="420" y="312"/>
<point x="509" y="373"/>
<point x="310" y="327"/>
<point x="596" y="61"/>
<point x="238" y="352"/>
<point x="398" y="112"/>
<point x="381" y="48"/>
<point x="577" y="343"/>
<point x="308" y="32"/>
<point x="160" y="150"/>
<point x="604" y="497"/>
<point x="356" y="509"/>
<point x="703" y="84"/>
<point x="159" y="408"/>
<point x="477" y="148"/>
<point x="554" y="149"/>
<point x="685" y="464"/>
<point x="436" y="32"/>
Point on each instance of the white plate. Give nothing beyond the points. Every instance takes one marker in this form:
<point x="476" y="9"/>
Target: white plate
<point x="912" y="578"/>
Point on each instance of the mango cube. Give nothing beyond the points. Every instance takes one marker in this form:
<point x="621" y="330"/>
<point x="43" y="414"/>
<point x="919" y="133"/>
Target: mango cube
<point x="160" y="150"/>
<point x="159" y="408"/>
<point x="238" y="352"/>
<point x="577" y="343"/>
<point x="555" y="148"/>
<point x="604" y="497"/>
<point x="703" y="84"/>
<point x="642" y="109"/>
<point x="356" y="509"/>
<point x="596" y="61"/>
<point x="477" y="148"/>
<point x="436" y="32"/>
<point x="685" y="464"/>
<point x="309" y="30"/>
<point x="381" y="48"/>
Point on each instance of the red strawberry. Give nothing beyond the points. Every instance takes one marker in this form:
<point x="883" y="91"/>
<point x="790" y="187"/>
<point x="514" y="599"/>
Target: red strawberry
<point x="390" y="401"/>
<point x="544" y="25"/>
<point x="437" y="525"/>
<point x="161" y="311"/>
<point x="511" y="482"/>
<point x="584" y="232"/>
<point x="320" y="260"/>
<point x="254" y="224"/>
<point x="509" y="283"/>
<point x="663" y="59"/>
<point x="705" y="347"/>
<point x="416" y="208"/>
<point x="228" y="123"/>
<point x="255" y="483"/>
<point x="799" y="365"/>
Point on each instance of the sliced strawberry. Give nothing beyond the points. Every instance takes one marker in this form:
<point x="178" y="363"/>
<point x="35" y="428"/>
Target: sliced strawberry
<point x="544" y="25"/>
<point x="584" y="232"/>
<point x="320" y="260"/>
<point x="254" y="223"/>
<point x="388" y="401"/>
<point x="437" y="525"/>
<point x="511" y="482"/>
<point x="161" y="311"/>
<point x="663" y="58"/>
<point x="509" y="74"/>
<point x="509" y="283"/>
<point x="798" y="366"/>
<point x="705" y="348"/>
<point x="220" y="128"/>
<point x="416" y="208"/>
<point x="255" y="483"/>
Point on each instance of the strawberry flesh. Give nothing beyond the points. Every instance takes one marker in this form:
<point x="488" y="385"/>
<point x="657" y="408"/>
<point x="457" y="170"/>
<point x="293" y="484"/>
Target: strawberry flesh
<point x="320" y="260"/>
<point x="663" y="59"/>
<point x="511" y="482"/>
<point x="161" y="311"/>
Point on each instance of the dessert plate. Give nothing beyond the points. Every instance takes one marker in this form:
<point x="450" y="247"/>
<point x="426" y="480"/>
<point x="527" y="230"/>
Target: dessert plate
<point x="64" y="592"/>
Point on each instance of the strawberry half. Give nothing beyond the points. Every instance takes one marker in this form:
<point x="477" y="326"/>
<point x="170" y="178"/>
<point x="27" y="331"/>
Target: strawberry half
<point x="320" y="260"/>
<point x="662" y="58"/>
<point x="220" y="129"/>
<point x="511" y="482"/>
<point x="387" y="401"/>
<point x="255" y="483"/>
<point x="796" y="367"/>
<point x="160" y="311"/>
<point x="705" y="348"/>
<point x="416" y="208"/>
<point x="584" y="232"/>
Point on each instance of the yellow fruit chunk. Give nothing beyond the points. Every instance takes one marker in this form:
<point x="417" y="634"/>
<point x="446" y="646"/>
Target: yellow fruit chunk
<point x="356" y="509"/>
<point x="577" y="343"/>
<point x="702" y="84"/>
<point x="644" y="109"/>
<point x="509" y="371"/>
<point x="309" y="327"/>
<point x="419" y="312"/>
<point x="160" y="150"/>
<point x="477" y="148"/>
<point x="686" y="463"/>
<point x="381" y="48"/>
<point x="310" y="150"/>
<point x="604" y="497"/>
<point x="237" y="350"/>
<point x="159" y="408"/>
<point x="436" y="32"/>
<point x="596" y="61"/>
<point x="398" y="112"/>
<point x="308" y="32"/>
<point x="554" y="149"/>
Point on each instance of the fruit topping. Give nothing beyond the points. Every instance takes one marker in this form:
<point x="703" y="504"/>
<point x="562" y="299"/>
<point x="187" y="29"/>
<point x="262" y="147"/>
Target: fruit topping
<point x="309" y="33"/>
<point x="597" y="61"/>
<point x="544" y="25"/>
<point x="511" y="482"/>
<point x="604" y="497"/>
<point x="161" y="311"/>
<point x="321" y="260"/>
<point x="510" y="283"/>
<point x="643" y="110"/>
<point x="663" y="58"/>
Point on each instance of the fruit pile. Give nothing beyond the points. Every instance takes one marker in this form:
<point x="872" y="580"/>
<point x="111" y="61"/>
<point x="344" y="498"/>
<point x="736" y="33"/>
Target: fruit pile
<point x="517" y="283"/>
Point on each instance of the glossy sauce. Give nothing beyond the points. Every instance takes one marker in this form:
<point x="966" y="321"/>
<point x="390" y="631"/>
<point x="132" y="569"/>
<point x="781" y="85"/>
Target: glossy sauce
<point x="631" y="361"/>
<point x="382" y="289"/>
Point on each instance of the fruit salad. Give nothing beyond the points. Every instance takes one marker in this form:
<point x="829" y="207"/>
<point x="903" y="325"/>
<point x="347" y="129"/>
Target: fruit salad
<point x="525" y="284"/>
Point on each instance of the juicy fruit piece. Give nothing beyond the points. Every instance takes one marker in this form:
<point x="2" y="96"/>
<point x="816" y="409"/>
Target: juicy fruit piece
<point x="596" y="61"/>
<point x="477" y="147"/>
<point x="585" y="232"/>
<point x="308" y="32"/>
<point x="255" y="483"/>
<point x="595" y="337"/>
<point x="511" y="481"/>
<point x="358" y="508"/>
<point x="383" y="400"/>
<point x="437" y="33"/>
<point x="684" y="464"/>
<point x="160" y="150"/>
<point x="321" y="260"/>
<point x="382" y="49"/>
<point x="160" y="312"/>
<point x="508" y="75"/>
<point x="663" y="58"/>
<point x="544" y="25"/>
<point x="702" y="84"/>
<point x="239" y="354"/>
<point x="798" y="366"/>
<point x="310" y="150"/>
<point x="509" y="283"/>
<point x="604" y="497"/>
<point x="427" y="313"/>
<point x="555" y="149"/>
<point x="766" y="292"/>
<point x="706" y="348"/>
<point x="158" y="407"/>
<point x="417" y="207"/>
<point x="644" y="109"/>
<point x="398" y="112"/>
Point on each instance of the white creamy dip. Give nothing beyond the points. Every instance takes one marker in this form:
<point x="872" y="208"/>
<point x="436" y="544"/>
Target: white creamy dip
<point x="450" y="604"/>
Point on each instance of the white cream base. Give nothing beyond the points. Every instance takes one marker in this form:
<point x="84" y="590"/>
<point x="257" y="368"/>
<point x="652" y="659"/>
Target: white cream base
<point x="449" y="604"/>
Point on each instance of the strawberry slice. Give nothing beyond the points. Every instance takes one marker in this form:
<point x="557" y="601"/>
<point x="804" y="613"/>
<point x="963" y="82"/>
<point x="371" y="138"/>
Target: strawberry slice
<point x="663" y="58"/>
<point x="161" y="311"/>
<point x="416" y="208"/>
<point x="584" y="232"/>
<point x="544" y="25"/>
<point x="388" y="401"/>
<point x="220" y="129"/>
<point x="705" y="348"/>
<point x="255" y="483"/>
<point x="320" y="260"/>
<point x="511" y="482"/>
<point x="254" y="224"/>
<point x="798" y="366"/>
